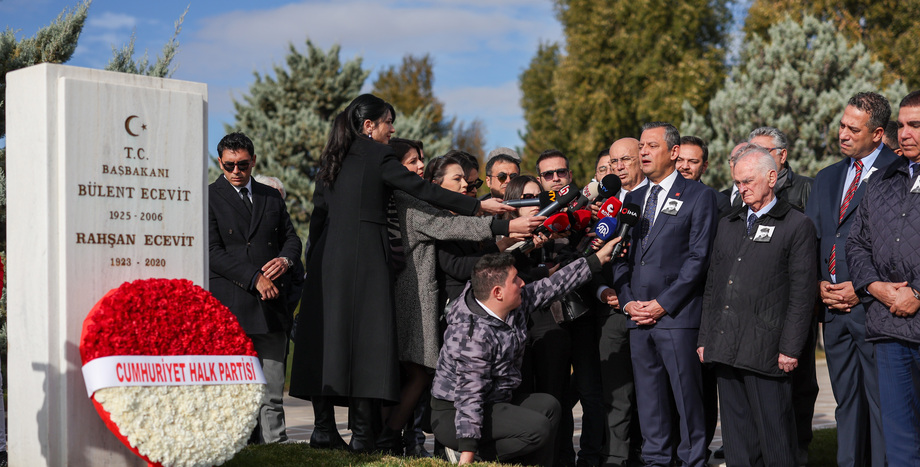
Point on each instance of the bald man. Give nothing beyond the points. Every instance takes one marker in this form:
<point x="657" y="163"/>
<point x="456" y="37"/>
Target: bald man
<point x="616" y="367"/>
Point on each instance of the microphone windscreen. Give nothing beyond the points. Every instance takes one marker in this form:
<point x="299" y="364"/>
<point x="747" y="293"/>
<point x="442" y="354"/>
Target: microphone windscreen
<point x="606" y="228"/>
<point x="591" y="190"/>
<point x="545" y="198"/>
<point x="629" y="214"/>
<point x="581" y="219"/>
<point x="610" y="186"/>
<point x="557" y="222"/>
<point x="610" y="208"/>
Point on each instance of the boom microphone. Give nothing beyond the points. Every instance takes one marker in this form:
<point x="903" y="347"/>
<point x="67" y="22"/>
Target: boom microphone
<point x="628" y="217"/>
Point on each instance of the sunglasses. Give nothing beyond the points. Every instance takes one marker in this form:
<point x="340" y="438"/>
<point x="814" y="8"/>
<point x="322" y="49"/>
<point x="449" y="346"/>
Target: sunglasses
<point x="242" y="165"/>
<point x="473" y="186"/>
<point x="548" y="175"/>
<point x="528" y="196"/>
<point x="502" y="176"/>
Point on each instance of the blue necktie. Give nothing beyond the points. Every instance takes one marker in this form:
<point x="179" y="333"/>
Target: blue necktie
<point x="651" y="207"/>
<point x="751" y="219"/>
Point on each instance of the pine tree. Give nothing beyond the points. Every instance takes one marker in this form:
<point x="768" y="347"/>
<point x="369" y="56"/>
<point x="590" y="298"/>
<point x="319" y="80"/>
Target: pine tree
<point x="123" y="59"/>
<point x="626" y="62"/>
<point x="410" y="88"/>
<point x="888" y="28"/>
<point x="54" y="43"/>
<point x="799" y="81"/>
<point x="289" y="115"/>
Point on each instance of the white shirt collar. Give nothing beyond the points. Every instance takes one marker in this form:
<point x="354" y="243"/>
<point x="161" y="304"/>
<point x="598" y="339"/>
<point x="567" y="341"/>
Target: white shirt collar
<point x="238" y="188"/>
<point x="764" y="209"/>
<point x="484" y="307"/>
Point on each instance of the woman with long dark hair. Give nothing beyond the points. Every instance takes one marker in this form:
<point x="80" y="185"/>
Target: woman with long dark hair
<point x="345" y="348"/>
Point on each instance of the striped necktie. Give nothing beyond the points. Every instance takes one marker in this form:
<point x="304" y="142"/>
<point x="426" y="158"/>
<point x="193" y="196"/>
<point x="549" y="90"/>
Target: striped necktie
<point x="832" y="261"/>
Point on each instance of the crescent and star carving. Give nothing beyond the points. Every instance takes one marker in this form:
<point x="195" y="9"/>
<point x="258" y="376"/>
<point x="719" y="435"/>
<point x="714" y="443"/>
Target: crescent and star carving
<point x="128" y="125"/>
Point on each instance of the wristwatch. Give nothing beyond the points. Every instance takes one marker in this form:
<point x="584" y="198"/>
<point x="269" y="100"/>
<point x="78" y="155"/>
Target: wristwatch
<point x="287" y="261"/>
<point x="916" y="295"/>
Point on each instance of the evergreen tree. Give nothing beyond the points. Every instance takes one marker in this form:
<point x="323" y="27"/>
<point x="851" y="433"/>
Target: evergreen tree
<point x="626" y="62"/>
<point x="888" y="28"/>
<point x="289" y="115"/>
<point x="54" y="43"/>
<point x="542" y="130"/>
<point x="410" y="87"/>
<point x="123" y="59"/>
<point x="799" y="81"/>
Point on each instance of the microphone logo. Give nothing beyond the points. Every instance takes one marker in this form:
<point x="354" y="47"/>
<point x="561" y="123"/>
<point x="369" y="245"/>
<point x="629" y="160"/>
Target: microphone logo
<point x="628" y="212"/>
<point x="602" y="229"/>
<point x="564" y="191"/>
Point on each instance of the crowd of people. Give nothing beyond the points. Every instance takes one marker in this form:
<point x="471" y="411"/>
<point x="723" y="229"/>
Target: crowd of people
<point x="485" y="320"/>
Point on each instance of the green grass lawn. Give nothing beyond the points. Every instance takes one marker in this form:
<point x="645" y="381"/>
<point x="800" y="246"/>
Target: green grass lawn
<point x="822" y="453"/>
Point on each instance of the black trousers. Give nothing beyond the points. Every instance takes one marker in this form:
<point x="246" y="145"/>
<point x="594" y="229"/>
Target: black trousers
<point x="758" y="425"/>
<point x="520" y="431"/>
<point x="622" y="435"/>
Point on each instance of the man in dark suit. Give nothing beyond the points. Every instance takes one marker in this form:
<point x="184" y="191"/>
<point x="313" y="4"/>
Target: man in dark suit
<point x="661" y="287"/>
<point x="837" y="193"/>
<point x="252" y="246"/>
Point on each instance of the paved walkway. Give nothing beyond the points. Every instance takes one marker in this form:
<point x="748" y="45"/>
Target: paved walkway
<point x="299" y="414"/>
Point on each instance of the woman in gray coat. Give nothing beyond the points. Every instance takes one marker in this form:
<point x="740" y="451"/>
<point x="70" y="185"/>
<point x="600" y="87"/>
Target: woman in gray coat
<point x="417" y="314"/>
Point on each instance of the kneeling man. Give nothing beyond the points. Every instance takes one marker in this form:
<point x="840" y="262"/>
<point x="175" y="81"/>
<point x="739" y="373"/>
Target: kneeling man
<point x="757" y="307"/>
<point x="480" y="363"/>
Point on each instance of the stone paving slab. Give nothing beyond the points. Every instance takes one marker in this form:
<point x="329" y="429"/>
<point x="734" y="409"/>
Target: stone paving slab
<point x="299" y="415"/>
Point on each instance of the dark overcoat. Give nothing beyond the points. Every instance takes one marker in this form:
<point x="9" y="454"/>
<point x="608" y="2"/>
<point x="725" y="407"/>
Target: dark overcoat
<point x="239" y="244"/>
<point x="346" y="338"/>
<point x="760" y="295"/>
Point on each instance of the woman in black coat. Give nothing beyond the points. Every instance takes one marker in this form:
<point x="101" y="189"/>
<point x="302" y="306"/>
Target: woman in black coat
<point x="345" y="346"/>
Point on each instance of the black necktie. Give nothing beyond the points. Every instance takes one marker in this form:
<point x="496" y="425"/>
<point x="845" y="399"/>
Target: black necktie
<point x="246" y="201"/>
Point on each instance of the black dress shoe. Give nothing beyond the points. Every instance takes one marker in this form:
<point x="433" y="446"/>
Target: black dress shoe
<point x="323" y="440"/>
<point x="390" y="442"/>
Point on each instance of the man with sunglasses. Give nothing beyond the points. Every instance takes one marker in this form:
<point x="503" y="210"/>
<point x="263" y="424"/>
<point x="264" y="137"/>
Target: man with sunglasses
<point x="553" y="168"/>
<point x="252" y="246"/>
<point x="501" y="168"/>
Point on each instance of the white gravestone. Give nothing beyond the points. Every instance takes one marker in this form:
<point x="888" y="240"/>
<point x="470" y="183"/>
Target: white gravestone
<point x="106" y="183"/>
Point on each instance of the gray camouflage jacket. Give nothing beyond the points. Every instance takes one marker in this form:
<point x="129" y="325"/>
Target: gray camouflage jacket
<point x="480" y="362"/>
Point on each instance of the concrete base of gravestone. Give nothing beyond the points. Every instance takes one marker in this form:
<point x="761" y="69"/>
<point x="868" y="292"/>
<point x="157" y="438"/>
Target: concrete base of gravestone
<point x="106" y="183"/>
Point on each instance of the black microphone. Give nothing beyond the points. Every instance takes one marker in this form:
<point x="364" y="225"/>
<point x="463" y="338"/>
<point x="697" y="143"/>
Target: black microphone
<point x="562" y="198"/>
<point x="610" y="186"/>
<point x="523" y="203"/>
<point x="628" y="217"/>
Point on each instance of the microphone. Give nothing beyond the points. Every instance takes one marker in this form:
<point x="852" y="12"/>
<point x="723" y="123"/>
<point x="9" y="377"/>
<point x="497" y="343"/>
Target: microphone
<point x="604" y="230"/>
<point x="591" y="190"/>
<point x="556" y="223"/>
<point x="609" y="186"/>
<point x="587" y="194"/>
<point x="610" y="208"/>
<point x="628" y="217"/>
<point x="523" y="203"/>
<point x="580" y="219"/>
<point x="559" y="200"/>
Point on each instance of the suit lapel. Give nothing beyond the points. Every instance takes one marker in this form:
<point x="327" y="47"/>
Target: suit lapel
<point x="258" y="207"/>
<point x="677" y="190"/>
<point x="226" y="190"/>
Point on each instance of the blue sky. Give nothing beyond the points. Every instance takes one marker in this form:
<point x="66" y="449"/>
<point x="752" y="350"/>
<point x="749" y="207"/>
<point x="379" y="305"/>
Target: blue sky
<point x="479" y="47"/>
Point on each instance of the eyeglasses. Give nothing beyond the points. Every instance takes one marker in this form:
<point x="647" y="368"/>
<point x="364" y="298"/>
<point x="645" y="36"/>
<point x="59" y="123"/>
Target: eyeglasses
<point x="625" y="160"/>
<point x="529" y="196"/>
<point x="231" y="166"/>
<point x="502" y="176"/>
<point x="772" y="149"/>
<point x="604" y="168"/>
<point x="471" y="187"/>
<point x="548" y="175"/>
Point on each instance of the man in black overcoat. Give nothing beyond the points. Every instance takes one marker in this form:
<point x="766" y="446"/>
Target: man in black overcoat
<point x="252" y="246"/>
